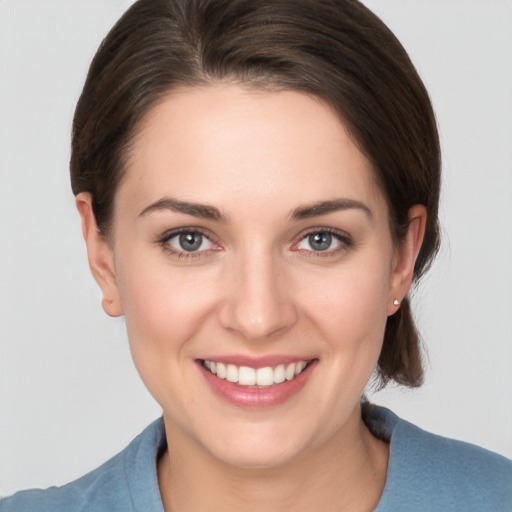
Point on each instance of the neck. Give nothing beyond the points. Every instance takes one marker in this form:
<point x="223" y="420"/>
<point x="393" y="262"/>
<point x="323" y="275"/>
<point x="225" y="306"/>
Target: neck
<point x="346" y="473"/>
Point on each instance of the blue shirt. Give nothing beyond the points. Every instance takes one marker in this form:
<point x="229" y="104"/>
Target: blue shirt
<point x="426" y="473"/>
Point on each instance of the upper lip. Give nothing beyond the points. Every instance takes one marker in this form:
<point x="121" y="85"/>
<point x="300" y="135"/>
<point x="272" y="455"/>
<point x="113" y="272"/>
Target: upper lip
<point x="256" y="361"/>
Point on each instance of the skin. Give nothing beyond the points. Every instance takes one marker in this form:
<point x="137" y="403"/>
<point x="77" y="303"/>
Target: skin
<point x="256" y="287"/>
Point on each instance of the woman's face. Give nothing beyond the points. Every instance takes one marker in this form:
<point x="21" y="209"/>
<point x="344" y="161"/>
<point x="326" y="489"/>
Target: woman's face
<point x="250" y="238"/>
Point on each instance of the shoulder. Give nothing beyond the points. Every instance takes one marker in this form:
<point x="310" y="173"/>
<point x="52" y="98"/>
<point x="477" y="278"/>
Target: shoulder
<point x="428" y="472"/>
<point x="114" y="486"/>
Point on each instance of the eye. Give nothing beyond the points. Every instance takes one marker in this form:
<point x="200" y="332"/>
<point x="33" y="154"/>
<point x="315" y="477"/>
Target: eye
<point x="189" y="242"/>
<point x="323" y="241"/>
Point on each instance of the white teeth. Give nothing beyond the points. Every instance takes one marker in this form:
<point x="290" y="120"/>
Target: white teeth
<point x="290" y="371"/>
<point x="279" y="374"/>
<point x="265" y="376"/>
<point x="221" y="371"/>
<point x="231" y="373"/>
<point x="299" y="367"/>
<point x="247" y="376"/>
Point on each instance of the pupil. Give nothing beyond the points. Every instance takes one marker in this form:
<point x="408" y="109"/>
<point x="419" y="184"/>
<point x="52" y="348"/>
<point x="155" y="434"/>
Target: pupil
<point x="191" y="241"/>
<point x="320" y="241"/>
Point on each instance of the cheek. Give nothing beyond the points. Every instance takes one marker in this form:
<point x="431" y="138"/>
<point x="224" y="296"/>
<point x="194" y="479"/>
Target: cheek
<point x="351" y="308"/>
<point x="164" y="310"/>
<point x="162" y="306"/>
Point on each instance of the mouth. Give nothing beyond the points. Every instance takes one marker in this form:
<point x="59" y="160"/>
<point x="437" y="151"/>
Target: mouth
<point x="259" y="378"/>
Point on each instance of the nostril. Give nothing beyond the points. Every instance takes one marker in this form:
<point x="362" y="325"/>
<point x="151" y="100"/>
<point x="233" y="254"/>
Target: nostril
<point x="256" y="321"/>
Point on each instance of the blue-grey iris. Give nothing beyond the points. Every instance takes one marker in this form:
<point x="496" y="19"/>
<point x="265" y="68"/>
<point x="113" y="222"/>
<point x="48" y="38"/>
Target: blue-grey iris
<point x="320" y="241"/>
<point x="191" y="241"/>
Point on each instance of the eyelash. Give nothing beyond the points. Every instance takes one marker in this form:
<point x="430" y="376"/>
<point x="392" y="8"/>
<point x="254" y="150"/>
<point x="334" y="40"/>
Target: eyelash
<point x="344" y="240"/>
<point x="164" y="240"/>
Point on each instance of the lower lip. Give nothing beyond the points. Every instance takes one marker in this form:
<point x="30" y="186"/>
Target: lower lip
<point x="247" y="397"/>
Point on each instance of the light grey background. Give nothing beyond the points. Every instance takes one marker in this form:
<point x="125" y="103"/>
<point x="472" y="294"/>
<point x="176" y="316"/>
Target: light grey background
<point x="69" y="395"/>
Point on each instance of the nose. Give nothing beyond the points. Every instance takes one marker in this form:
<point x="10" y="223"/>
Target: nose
<point x="258" y="303"/>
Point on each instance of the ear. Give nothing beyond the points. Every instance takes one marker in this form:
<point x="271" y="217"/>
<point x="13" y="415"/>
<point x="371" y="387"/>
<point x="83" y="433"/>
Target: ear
<point x="100" y="255"/>
<point x="405" y="258"/>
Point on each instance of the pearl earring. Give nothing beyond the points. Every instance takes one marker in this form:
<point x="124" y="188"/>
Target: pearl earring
<point x="396" y="302"/>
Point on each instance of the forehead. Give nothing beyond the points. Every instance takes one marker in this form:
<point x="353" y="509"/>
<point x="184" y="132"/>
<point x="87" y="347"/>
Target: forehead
<point x="219" y="142"/>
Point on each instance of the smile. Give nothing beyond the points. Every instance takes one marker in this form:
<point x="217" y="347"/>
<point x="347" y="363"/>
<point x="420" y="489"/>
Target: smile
<point x="256" y="377"/>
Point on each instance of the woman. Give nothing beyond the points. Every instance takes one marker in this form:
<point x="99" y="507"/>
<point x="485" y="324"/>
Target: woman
<point x="258" y="184"/>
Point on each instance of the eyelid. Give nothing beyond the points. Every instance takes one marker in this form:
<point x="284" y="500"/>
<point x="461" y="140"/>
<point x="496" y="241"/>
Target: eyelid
<point x="343" y="237"/>
<point x="163" y="240"/>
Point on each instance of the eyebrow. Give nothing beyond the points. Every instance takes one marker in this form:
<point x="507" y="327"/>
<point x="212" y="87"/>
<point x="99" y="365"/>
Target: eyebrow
<point x="210" y="212"/>
<point x="202" y="211"/>
<point x="324" y="207"/>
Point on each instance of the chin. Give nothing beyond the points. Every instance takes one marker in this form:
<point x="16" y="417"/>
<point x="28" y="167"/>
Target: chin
<point x="259" y="447"/>
<point x="258" y="458"/>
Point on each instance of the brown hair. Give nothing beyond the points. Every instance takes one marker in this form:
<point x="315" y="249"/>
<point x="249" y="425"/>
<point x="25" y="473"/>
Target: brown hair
<point x="337" y="50"/>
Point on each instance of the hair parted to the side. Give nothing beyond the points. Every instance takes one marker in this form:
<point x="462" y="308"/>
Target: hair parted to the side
<point x="336" y="50"/>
